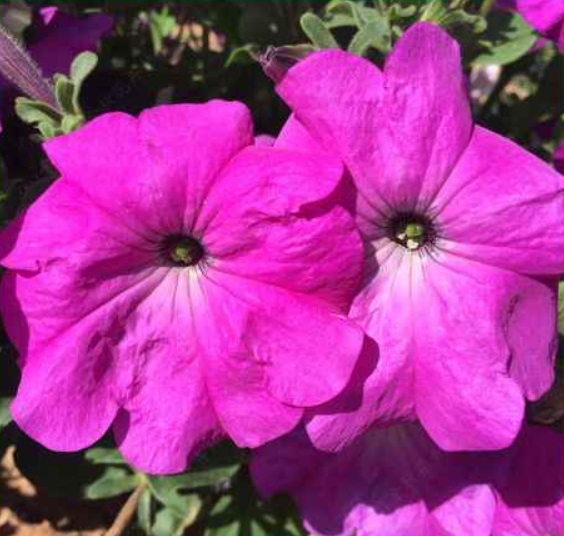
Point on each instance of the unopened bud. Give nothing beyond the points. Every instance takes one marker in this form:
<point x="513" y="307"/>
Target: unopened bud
<point x="19" y="68"/>
<point x="276" y="61"/>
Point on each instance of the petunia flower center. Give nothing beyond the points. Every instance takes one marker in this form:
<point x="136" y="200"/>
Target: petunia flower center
<point x="183" y="250"/>
<point x="412" y="231"/>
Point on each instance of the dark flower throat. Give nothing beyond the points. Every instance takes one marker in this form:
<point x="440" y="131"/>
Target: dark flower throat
<point x="410" y="230"/>
<point x="180" y="250"/>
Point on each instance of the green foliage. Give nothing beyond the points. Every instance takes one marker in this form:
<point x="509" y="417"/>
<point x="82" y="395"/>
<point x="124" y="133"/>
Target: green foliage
<point x="376" y="26"/>
<point x="5" y="415"/>
<point x="241" y="512"/>
<point x="115" y="481"/>
<point x="68" y="115"/>
<point x="374" y="34"/>
<point x="507" y="38"/>
<point x="243" y="55"/>
<point x="168" y="523"/>
<point x="161" y="25"/>
<point x="317" y="32"/>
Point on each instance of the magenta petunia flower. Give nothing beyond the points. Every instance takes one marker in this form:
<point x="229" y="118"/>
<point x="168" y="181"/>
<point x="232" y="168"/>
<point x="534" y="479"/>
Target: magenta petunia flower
<point x="57" y="38"/>
<point x="179" y="284"/>
<point x="396" y="481"/>
<point x="464" y="241"/>
<point x="545" y="16"/>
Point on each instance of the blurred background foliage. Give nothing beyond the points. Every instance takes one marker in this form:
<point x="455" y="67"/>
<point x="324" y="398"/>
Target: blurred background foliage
<point x="182" y="50"/>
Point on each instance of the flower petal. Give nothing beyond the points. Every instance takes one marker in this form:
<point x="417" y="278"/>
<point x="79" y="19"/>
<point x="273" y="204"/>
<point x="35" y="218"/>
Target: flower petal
<point x="424" y="114"/>
<point x="67" y="399"/>
<point x="248" y="412"/>
<point x="296" y="136"/>
<point x="167" y="415"/>
<point x="58" y="38"/>
<point x="332" y="93"/>
<point x="531" y="501"/>
<point x="155" y="171"/>
<point x="72" y="259"/>
<point x="326" y="487"/>
<point x="337" y="423"/>
<point x="307" y="350"/>
<point x="470" y="511"/>
<point x="503" y="206"/>
<point x="396" y="480"/>
<point x="463" y="351"/>
<point x="273" y="217"/>
<point x="283" y="464"/>
<point x="235" y="377"/>
<point x="335" y="96"/>
<point x="400" y="138"/>
<point x="382" y="387"/>
<point x="391" y="481"/>
<point x="64" y="401"/>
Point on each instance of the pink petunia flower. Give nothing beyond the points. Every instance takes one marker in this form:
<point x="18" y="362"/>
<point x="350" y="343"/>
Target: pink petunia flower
<point x="396" y="481"/>
<point x="179" y="284"/>
<point x="545" y="16"/>
<point x="464" y="241"/>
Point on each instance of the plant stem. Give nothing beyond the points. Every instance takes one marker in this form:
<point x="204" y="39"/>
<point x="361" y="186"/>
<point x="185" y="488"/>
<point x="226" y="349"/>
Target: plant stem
<point x="127" y="511"/>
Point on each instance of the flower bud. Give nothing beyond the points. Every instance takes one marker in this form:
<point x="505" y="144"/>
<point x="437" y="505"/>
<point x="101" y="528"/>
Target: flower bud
<point x="19" y="68"/>
<point x="276" y="61"/>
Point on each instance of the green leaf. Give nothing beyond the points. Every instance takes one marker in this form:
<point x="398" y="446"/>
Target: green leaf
<point x="82" y="66"/>
<point x="5" y="415"/>
<point x="459" y="21"/>
<point x="104" y="456"/>
<point x="361" y="14"/>
<point x="244" y="55"/>
<point x="116" y="481"/>
<point x="144" y="512"/>
<point x="316" y="31"/>
<point x="396" y="12"/>
<point x="166" y="523"/>
<point x="339" y="20"/>
<point x="71" y="122"/>
<point x="374" y="34"/>
<point x="33" y="112"/>
<point x="243" y="513"/>
<point x="216" y="467"/>
<point x="343" y="13"/>
<point x="169" y="523"/>
<point x="434" y="11"/>
<point x="506" y="39"/>
<point x="161" y="24"/>
<point x="169" y="490"/>
<point x="64" y="93"/>
<point x="47" y="130"/>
